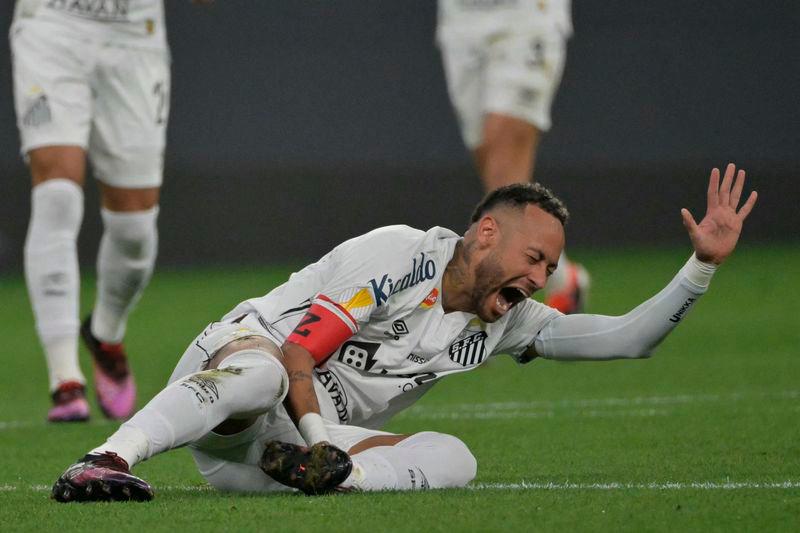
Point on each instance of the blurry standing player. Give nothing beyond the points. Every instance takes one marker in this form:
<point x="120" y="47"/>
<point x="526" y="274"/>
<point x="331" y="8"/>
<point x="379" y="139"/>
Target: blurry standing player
<point x="291" y="389"/>
<point x="503" y="61"/>
<point x="90" y="78"/>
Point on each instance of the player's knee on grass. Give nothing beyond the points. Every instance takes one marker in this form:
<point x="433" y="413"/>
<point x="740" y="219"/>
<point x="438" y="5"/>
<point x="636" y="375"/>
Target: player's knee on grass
<point x="449" y="461"/>
<point x="426" y="460"/>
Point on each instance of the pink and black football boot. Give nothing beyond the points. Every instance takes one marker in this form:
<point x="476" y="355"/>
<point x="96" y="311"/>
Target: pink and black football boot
<point x="113" y="380"/>
<point x="100" y="477"/>
<point x="69" y="403"/>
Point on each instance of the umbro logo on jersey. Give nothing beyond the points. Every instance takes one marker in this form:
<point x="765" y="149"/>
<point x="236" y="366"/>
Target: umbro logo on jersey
<point x="422" y="269"/>
<point x="399" y="328"/>
<point x="469" y="350"/>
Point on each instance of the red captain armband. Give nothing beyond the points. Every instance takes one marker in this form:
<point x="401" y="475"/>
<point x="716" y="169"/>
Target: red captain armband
<point x="324" y="327"/>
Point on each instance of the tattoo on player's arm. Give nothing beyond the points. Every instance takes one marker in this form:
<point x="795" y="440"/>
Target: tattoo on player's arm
<point x="298" y="375"/>
<point x="301" y="398"/>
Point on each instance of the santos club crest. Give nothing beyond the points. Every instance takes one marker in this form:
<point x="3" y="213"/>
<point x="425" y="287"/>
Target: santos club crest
<point x="470" y="350"/>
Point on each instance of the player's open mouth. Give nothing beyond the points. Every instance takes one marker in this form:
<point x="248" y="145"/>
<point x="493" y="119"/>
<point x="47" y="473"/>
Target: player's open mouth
<point x="508" y="297"/>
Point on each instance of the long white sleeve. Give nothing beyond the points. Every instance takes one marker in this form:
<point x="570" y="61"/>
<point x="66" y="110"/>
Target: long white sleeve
<point x="633" y="335"/>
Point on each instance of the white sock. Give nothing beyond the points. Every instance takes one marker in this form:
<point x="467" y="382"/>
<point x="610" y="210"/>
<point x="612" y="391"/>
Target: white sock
<point x="426" y="460"/>
<point x="124" y="266"/>
<point x="247" y="383"/>
<point x="51" y="274"/>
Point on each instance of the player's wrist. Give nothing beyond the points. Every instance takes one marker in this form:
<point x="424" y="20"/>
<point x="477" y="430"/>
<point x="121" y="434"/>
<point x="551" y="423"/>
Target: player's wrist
<point x="312" y="429"/>
<point x="699" y="272"/>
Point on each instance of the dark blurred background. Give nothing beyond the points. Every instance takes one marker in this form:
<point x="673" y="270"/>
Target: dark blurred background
<point x="297" y="124"/>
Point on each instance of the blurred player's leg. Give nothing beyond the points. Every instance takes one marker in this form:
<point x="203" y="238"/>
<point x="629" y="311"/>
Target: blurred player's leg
<point x="52" y="275"/>
<point x="507" y="154"/>
<point x="126" y="257"/>
<point x="502" y="76"/>
<point x="125" y="263"/>
<point x="126" y="148"/>
<point x="53" y="106"/>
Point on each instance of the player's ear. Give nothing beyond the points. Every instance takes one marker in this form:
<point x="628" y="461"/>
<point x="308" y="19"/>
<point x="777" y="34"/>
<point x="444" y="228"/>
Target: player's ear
<point x="488" y="230"/>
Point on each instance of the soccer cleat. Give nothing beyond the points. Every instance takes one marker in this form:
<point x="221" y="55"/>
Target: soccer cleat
<point x="100" y="477"/>
<point x="113" y="380"/>
<point x="570" y="298"/>
<point x="316" y="470"/>
<point x="69" y="403"/>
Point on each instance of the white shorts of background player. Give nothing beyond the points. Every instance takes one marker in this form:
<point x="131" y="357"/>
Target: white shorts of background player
<point x="109" y="98"/>
<point x="514" y="73"/>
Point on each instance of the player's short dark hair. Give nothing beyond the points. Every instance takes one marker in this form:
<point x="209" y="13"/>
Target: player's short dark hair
<point x="518" y="196"/>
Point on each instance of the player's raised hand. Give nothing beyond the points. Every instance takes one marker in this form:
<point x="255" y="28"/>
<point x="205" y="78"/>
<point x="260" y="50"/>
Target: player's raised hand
<point x="715" y="237"/>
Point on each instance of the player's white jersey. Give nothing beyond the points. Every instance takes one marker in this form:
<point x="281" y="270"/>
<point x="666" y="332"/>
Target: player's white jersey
<point x="134" y="22"/>
<point x="461" y="18"/>
<point x="386" y="286"/>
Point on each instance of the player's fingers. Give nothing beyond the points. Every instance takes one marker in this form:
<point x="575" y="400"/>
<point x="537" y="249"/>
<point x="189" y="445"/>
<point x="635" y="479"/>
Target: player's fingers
<point x="748" y="205"/>
<point x="725" y="187"/>
<point x="713" y="188"/>
<point x="688" y="221"/>
<point x="738" y="186"/>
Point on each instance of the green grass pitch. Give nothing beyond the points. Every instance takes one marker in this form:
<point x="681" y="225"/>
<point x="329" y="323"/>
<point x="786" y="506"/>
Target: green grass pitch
<point x="703" y="436"/>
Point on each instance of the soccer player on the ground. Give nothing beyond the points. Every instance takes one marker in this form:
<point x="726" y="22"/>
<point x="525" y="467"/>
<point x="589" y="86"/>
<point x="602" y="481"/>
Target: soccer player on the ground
<point x="90" y="78"/>
<point x="290" y="389"/>
<point x="503" y="62"/>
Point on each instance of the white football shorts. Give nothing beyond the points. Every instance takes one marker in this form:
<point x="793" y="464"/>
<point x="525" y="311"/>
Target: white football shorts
<point x="509" y="73"/>
<point x="108" y="98"/>
<point x="230" y="462"/>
